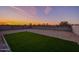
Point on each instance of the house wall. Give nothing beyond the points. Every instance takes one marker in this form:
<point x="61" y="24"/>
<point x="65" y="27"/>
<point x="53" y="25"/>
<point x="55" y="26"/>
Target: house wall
<point x="12" y="27"/>
<point x="75" y="29"/>
<point x="61" y="28"/>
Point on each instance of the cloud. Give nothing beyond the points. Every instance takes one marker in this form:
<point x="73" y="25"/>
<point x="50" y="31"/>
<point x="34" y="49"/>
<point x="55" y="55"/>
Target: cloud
<point x="29" y="12"/>
<point x="18" y="10"/>
<point x="47" y="10"/>
<point x="32" y="11"/>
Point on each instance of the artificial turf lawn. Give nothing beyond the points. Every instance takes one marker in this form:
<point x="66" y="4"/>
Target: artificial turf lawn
<point x="31" y="42"/>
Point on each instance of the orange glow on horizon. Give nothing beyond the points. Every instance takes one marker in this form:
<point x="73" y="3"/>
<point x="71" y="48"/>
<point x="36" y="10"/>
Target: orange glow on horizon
<point x="25" y="22"/>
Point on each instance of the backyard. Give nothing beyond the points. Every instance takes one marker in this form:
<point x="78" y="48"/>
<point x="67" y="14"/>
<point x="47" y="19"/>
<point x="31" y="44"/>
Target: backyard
<point x="32" y="42"/>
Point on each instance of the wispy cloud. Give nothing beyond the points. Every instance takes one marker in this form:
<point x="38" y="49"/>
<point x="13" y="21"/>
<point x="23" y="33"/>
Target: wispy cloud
<point x="32" y="11"/>
<point x="47" y="10"/>
<point x="19" y="11"/>
<point x="26" y="11"/>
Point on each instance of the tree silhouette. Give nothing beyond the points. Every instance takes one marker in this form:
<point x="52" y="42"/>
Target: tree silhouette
<point x="30" y="24"/>
<point x="64" y="23"/>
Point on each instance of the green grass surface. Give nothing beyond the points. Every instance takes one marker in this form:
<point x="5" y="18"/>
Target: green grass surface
<point x="31" y="42"/>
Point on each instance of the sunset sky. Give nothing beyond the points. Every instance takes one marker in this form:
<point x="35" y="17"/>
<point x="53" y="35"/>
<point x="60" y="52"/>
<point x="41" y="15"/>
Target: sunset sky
<point x="15" y="15"/>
